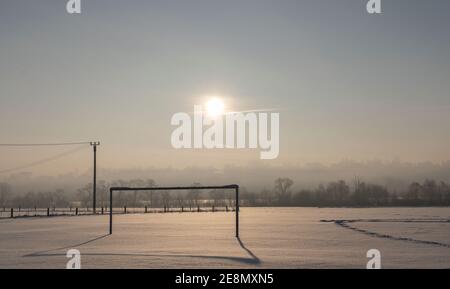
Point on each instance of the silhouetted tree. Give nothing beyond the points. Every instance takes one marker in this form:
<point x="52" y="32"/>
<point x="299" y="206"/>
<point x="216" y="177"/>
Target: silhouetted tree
<point x="166" y="198"/>
<point x="193" y="195"/>
<point x="282" y="190"/>
<point x="102" y="192"/>
<point x="303" y="198"/>
<point x="217" y="196"/>
<point x="149" y="196"/>
<point x="136" y="183"/>
<point x="430" y="192"/>
<point x="444" y="190"/>
<point x="338" y="192"/>
<point x="412" y="195"/>
<point x="266" y="197"/>
<point x="84" y="195"/>
<point x="5" y="194"/>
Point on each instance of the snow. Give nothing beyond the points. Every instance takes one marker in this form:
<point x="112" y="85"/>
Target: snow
<point x="270" y="238"/>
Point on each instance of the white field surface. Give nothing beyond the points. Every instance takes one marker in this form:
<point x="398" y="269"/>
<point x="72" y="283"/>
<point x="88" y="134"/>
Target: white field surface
<point x="270" y="238"/>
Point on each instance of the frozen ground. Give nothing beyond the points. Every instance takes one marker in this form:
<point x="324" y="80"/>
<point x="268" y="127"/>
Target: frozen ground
<point x="270" y="238"/>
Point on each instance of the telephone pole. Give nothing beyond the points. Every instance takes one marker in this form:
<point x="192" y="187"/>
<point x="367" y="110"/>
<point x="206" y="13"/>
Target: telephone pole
<point x="94" y="191"/>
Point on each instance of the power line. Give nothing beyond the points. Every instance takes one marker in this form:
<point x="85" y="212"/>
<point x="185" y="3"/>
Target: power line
<point x="93" y="144"/>
<point x="46" y="160"/>
<point x="42" y="144"/>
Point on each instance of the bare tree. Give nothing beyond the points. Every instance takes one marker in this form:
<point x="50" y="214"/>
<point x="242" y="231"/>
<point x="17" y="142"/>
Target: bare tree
<point x="149" y="197"/>
<point x="102" y="191"/>
<point x="166" y="198"/>
<point x="180" y="200"/>
<point x="5" y="194"/>
<point x="282" y="190"/>
<point x="136" y="183"/>
<point x="193" y="195"/>
<point x="266" y="197"/>
<point x="338" y="192"/>
<point x="218" y="196"/>
<point x="84" y="195"/>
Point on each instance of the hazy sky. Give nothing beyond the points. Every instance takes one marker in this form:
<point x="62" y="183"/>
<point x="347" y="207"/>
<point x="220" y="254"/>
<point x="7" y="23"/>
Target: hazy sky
<point x="348" y="85"/>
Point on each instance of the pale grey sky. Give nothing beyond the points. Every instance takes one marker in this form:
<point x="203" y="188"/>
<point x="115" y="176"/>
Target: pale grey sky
<point x="348" y="85"/>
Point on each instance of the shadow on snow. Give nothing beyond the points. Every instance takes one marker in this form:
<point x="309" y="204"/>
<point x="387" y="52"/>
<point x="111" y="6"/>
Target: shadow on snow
<point x="253" y="259"/>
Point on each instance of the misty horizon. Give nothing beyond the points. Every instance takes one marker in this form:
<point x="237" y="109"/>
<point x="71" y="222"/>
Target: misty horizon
<point x="393" y="175"/>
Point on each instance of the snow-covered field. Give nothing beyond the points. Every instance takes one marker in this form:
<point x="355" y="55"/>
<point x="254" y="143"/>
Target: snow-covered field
<point x="270" y="238"/>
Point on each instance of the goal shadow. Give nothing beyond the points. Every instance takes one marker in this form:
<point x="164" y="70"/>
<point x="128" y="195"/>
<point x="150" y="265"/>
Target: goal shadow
<point x="252" y="259"/>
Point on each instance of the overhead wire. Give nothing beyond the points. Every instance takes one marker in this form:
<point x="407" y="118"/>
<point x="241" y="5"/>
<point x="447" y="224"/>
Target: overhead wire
<point x="41" y="144"/>
<point x="43" y="161"/>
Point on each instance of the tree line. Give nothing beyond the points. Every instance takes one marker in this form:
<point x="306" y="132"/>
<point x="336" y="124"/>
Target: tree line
<point x="333" y="194"/>
<point x="357" y="194"/>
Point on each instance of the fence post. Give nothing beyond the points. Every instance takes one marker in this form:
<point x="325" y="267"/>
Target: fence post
<point x="146" y="209"/>
<point x="102" y="210"/>
<point x="182" y="209"/>
<point x="48" y="212"/>
<point x="110" y="210"/>
<point x="76" y="211"/>
<point x="125" y="209"/>
<point x="213" y="208"/>
<point x="226" y="208"/>
<point x="237" y="211"/>
<point x="12" y="213"/>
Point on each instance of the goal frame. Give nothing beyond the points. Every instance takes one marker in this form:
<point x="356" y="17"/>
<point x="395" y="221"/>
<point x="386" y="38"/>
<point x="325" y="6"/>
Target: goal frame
<point x="114" y="189"/>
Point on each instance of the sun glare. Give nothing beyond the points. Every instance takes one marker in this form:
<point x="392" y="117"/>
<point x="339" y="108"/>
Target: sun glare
<point x="215" y="107"/>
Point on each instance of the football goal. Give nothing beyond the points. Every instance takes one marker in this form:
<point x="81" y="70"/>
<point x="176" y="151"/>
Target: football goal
<point x="135" y="189"/>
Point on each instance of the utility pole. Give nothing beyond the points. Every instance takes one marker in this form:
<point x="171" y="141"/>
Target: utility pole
<point x="94" y="191"/>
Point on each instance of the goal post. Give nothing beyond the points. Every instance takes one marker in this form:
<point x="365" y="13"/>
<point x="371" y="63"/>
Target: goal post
<point x="114" y="189"/>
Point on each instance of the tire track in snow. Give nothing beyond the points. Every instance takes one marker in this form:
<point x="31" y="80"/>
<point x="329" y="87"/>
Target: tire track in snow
<point x="345" y="224"/>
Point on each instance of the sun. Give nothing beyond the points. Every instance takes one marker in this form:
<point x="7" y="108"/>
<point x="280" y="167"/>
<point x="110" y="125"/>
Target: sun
<point x="215" y="107"/>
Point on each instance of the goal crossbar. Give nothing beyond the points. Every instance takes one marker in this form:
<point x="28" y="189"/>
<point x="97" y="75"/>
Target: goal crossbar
<point x="114" y="189"/>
